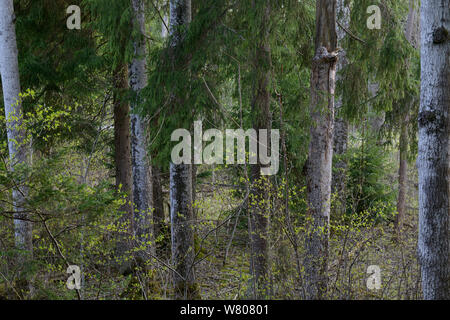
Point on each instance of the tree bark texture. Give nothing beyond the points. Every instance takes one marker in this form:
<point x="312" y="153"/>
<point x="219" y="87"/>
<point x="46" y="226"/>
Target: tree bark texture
<point x="402" y="175"/>
<point x="18" y="150"/>
<point x="122" y="156"/>
<point x="181" y="211"/>
<point x="259" y="193"/>
<point x="411" y="34"/>
<point x="320" y="150"/>
<point x="433" y="159"/>
<point x="139" y="159"/>
<point x="340" y="134"/>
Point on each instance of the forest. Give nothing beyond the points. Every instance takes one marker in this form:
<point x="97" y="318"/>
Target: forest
<point x="224" y="150"/>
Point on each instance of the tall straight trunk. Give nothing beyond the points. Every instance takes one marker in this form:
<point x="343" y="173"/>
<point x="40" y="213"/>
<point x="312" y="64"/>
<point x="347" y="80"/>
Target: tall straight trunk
<point x="434" y="143"/>
<point x="402" y="175"/>
<point x="259" y="194"/>
<point x="194" y="192"/>
<point x="181" y="213"/>
<point x="320" y="150"/>
<point x="158" y="202"/>
<point x="157" y="192"/>
<point x="340" y="142"/>
<point x="122" y="156"/>
<point x="18" y="150"/>
<point x="139" y="159"/>
<point x="377" y="119"/>
<point x="182" y="230"/>
<point x="411" y="35"/>
<point x="340" y="134"/>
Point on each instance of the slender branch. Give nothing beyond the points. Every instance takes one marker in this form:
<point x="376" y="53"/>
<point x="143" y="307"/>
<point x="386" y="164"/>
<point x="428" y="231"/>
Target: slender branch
<point x="160" y="17"/>
<point x="57" y="247"/>
<point x="349" y="33"/>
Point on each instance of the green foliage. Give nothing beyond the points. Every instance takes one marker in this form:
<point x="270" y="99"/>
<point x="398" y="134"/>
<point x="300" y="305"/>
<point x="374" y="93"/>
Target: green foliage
<point x="112" y="21"/>
<point x="211" y="76"/>
<point x="368" y="190"/>
<point x="380" y="58"/>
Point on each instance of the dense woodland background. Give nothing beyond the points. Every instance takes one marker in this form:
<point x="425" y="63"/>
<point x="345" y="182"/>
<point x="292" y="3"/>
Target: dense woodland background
<point x="86" y="176"/>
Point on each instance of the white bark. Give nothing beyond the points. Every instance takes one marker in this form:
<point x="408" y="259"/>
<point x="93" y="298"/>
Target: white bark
<point x="180" y="14"/>
<point x="9" y="69"/>
<point x="164" y="26"/>
<point x="181" y="193"/>
<point x="433" y="159"/>
<point x="139" y="158"/>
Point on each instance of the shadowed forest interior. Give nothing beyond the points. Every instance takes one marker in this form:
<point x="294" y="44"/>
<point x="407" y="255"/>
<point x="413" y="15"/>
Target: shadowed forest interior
<point x="224" y="149"/>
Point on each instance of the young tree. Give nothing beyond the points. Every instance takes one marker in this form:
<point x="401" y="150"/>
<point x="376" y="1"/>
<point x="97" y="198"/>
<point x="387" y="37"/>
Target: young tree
<point x="320" y="149"/>
<point x="18" y="150"/>
<point x="109" y="20"/>
<point x="181" y="212"/>
<point x="434" y="152"/>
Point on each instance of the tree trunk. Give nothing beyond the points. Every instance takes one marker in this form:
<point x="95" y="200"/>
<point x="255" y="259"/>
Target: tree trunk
<point x="181" y="213"/>
<point x="158" y="196"/>
<point x="411" y="35"/>
<point x="194" y="191"/>
<point x="122" y="156"/>
<point x="340" y="140"/>
<point x="320" y="150"/>
<point x="18" y="150"/>
<point x="259" y="194"/>
<point x="158" y="202"/>
<point x="402" y="175"/>
<point x="139" y="158"/>
<point x="340" y="134"/>
<point x="434" y="159"/>
<point x="181" y="229"/>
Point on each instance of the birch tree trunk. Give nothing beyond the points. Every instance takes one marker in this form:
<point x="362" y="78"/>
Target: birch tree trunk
<point x="259" y="194"/>
<point x="139" y="160"/>
<point x="434" y="159"/>
<point x="18" y="150"/>
<point x="181" y="212"/>
<point x="320" y="150"/>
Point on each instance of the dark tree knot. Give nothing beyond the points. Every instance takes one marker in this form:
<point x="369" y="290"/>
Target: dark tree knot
<point x="429" y="118"/>
<point x="440" y="35"/>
